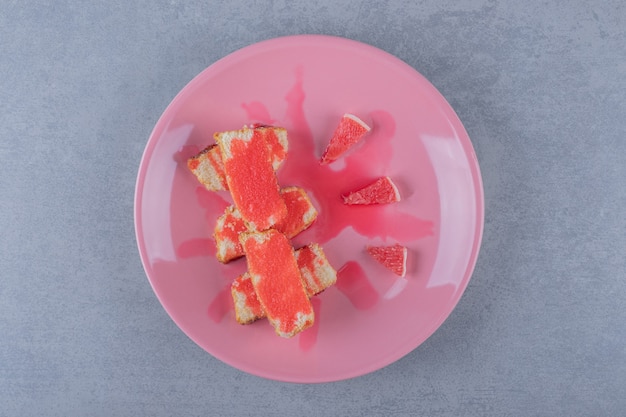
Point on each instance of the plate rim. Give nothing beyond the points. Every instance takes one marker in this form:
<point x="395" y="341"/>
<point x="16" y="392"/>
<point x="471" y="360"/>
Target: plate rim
<point x="467" y="145"/>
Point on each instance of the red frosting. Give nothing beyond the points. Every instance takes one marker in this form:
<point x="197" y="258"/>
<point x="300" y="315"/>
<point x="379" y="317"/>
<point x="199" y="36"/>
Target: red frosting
<point x="298" y="204"/>
<point x="276" y="279"/>
<point x="252" y="181"/>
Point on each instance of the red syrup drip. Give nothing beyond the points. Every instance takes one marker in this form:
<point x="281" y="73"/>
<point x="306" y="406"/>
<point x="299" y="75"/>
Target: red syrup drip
<point x="211" y="201"/>
<point x="302" y="167"/>
<point x="221" y="305"/>
<point x="185" y="153"/>
<point x="258" y="112"/>
<point x="213" y="204"/>
<point x="353" y="283"/>
<point x="196" y="247"/>
<point x="308" y="338"/>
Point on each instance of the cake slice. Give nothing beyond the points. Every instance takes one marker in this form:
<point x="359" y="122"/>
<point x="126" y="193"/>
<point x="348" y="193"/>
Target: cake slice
<point x="300" y="215"/>
<point x="226" y="234"/>
<point x="381" y="191"/>
<point x="251" y="178"/>
<point x="350" y="130"/>
<point x="247" y="305"/>
<point x="277" y="281"/>
<point x="208" y="167"/>
<point x="317" y="275"/>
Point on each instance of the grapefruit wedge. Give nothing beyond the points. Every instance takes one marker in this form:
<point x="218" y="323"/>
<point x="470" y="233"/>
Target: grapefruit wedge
<point x="381" y="191"/>
<point x="391" y="257"/>
<point x="350" y="130"/>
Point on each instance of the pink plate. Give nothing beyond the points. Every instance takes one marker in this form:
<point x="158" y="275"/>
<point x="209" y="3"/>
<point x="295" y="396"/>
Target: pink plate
<point x="371" y="317"/>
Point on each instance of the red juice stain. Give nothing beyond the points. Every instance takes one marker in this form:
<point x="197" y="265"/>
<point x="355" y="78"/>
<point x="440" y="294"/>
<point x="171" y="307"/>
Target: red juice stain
<point x="214" y="204"/>
<point x="308" y="338"/>
<point x="185" y="153"/>
<point x="302" y="167"/>
<point x="211" y="200"/>
<point x="353" y="283"/>
<point x="402" y="227"/>
<point x="257" y="111"/>
<point x="221" y="305"/>
<point x="195" y="247"/>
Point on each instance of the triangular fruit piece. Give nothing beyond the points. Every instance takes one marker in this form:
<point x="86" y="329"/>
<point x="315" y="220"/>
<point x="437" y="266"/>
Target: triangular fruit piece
<point x="350" y="130"/>
<point x="381" y="191"/>
<point x="392" y="257"/>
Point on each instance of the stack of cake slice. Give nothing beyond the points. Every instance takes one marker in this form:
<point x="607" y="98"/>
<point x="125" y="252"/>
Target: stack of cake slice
<point x="259" y="226"/>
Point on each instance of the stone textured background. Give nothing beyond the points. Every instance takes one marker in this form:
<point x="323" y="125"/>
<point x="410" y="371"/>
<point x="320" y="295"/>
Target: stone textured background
<point x="541" y="89"/>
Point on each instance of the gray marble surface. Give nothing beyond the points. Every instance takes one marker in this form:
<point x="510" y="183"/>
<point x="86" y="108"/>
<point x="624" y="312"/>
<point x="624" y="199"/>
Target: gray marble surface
<point x="541" y="89"/>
